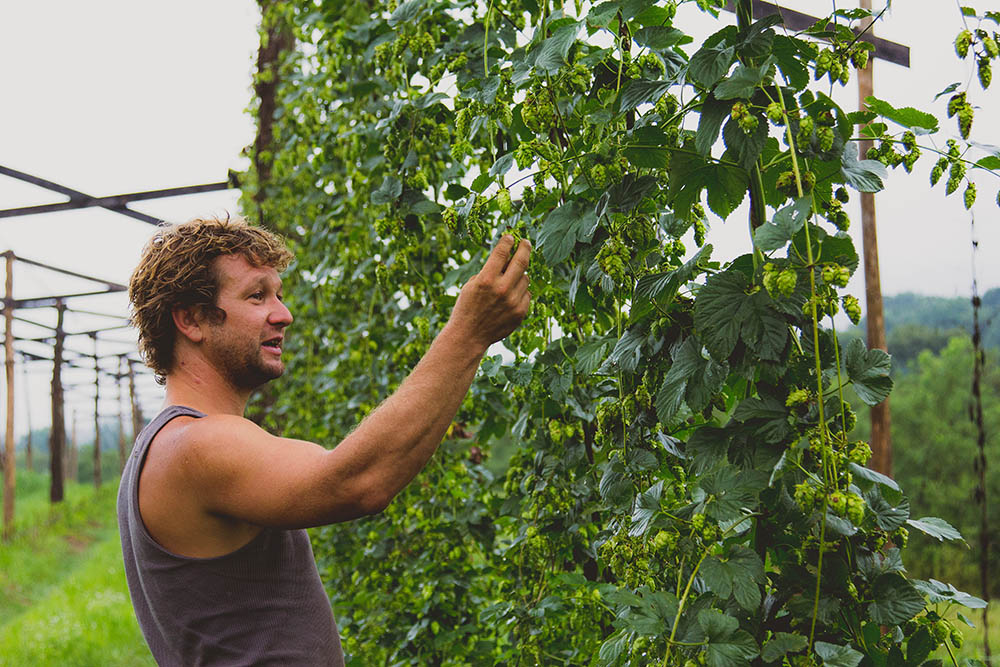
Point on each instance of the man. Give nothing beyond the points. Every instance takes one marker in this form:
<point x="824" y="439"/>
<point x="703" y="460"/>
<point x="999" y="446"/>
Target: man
<point x="211" y="507"/>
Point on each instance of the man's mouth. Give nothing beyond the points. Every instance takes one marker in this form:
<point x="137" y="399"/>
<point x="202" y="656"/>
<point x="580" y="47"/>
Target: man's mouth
<point x="273" y="344"/>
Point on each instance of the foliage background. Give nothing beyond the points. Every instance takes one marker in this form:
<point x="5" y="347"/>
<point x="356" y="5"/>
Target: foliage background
<point x="664" y="403"/>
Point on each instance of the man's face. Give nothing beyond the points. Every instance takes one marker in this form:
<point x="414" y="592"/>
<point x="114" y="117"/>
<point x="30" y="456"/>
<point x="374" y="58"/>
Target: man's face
<point x="246" y="345"/>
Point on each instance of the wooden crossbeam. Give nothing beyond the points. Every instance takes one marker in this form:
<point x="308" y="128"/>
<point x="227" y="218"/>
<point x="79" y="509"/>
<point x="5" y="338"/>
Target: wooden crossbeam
<point x="884" y="49"/>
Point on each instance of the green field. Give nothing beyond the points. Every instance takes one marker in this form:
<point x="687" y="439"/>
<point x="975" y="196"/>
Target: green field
<point x="63" y="599"/>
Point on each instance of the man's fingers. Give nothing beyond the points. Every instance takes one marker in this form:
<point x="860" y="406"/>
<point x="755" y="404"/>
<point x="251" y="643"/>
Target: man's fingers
<point x="499" y="256"/>
<point x="519" y="262"/>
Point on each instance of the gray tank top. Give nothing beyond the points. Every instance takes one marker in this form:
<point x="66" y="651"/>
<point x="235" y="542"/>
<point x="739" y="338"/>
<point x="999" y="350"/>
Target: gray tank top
<point x="262" y="604"/>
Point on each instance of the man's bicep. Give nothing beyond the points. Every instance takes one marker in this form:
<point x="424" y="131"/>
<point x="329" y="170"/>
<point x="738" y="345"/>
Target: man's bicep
<point x="243" y="472"/>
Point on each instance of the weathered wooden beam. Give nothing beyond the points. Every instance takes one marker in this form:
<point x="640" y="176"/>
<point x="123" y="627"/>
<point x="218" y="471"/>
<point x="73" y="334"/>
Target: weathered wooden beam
<point x="884" y="49"/>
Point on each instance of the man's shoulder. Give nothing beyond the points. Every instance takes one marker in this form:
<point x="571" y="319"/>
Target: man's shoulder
<point x="195" y="441"/>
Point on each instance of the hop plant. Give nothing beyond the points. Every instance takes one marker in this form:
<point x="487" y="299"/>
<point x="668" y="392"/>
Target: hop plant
<point x="859" y="56"/>
<point x="797" y="397"/>
<point x="774" y="114"/>
<point x="990" y="44"/>
<point x="969" y="196"/>
<point x="805" y="130"/>
<point x="938" y="170"/>
<point x="985" y="72"/>
<point x="504" y="202"/>
<point x="962" y="43"/>
<point x="852" y="308"/>
<point x="612" y="258"/>
<point x="824" y="135"/>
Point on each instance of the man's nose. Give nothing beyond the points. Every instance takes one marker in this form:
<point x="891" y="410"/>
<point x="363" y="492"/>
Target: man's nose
<point x="280" y="315"/>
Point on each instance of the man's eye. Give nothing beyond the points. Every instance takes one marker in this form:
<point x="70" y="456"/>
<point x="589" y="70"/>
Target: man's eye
<point x="257" y="295"/>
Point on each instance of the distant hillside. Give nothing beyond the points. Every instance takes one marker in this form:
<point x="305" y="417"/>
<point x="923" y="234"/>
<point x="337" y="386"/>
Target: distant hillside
<point x="915" y="322"/>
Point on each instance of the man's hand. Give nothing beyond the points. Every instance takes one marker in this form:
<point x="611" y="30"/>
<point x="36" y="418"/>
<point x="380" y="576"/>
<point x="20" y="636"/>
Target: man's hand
<point x="496" y="299"/>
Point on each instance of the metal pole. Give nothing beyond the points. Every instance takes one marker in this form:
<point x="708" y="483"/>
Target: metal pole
<point x="57" y="433"/>
<point x="9" y="480"/>
<point x="881" y="440"/>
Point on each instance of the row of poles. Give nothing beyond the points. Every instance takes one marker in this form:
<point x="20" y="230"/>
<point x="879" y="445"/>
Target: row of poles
<point x="60" y="464"/>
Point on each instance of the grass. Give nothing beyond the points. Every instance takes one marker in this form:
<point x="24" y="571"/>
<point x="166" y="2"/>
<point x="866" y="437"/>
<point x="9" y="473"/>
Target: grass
<point x="972" y="646"/>
<point x="63" y="599"/>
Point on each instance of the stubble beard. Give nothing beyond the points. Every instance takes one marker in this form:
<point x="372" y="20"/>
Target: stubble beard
<point x="242" y="363"/>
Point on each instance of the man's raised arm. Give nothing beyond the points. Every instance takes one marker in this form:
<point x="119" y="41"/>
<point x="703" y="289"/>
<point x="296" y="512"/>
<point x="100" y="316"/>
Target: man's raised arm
<point x="239" y="470"/>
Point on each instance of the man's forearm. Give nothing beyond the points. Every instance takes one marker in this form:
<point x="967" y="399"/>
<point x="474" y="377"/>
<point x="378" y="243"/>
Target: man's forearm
<point x="398" y="438"/>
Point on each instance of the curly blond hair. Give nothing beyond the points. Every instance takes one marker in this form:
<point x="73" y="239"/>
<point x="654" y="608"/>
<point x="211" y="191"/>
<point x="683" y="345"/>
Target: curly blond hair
<point x="177" y="271"/>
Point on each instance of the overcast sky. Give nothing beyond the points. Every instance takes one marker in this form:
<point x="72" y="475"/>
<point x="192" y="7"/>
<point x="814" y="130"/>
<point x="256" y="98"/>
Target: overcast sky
<point x="116" y="96"/>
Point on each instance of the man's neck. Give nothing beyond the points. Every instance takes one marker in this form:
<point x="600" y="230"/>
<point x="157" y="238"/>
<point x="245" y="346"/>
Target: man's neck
<point x="199" y="385"/>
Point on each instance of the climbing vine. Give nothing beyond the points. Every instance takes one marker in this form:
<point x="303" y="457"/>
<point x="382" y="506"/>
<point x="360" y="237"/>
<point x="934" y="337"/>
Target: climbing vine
<point x="684" y="487"/>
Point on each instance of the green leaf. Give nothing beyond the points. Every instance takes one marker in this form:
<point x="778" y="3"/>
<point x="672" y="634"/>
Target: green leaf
<point x="646" y="148"/>
<point x="861" y="472"/>
<point x="727" y="645"/>
<point x="627" y="352"/>
<point x="552" y="52"/>
<point x="919" y="121"/>
<point x="718" y="310"/>
<point x="647" y="507"/>
<point x="887" y="517"/>
<point x="389" y="191"/>
<point x="406" y="12"/>
<point x="602" y="14"/>
<point x="614" y="487"/>
<point x="874" y="564"/>
<point x="837" y="656"/>
<point x="895" y="600"/>
<point x="713" y="113"/>
<point x="590" y="355"/>
<point x="780" y="230"/>
<point x="948" y="90"/>
<point x="742" y="82"/>
<point x="502" y="165"/>
<point x="563" y="228"/>
<point x="991" y="162"/>
<point x="655" y="285"/>
<point x="659" y="37"/>
<point x="739" y="575"/>
<point x="709" y="64"/>
<point x="727" y="187"/>
<point x="937" y="591"/>
<point x="791" y="54"/>
<point x="919" y="646"/>
<point x="763" y="330"/>
<point x="615" y="645"/>
<point x="868" y="370"/>
<point x="745" y="147"/>
<point x="780" y="644"/>
<point x="935" y="527"/>
<point x="641" y="91"/>
<point x="687" y="362"/>
<point x="862" y="175"/>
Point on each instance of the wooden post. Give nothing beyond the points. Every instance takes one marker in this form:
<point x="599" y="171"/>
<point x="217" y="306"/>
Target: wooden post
<point x="136" y="408"/>
<point x="122" y="451"/>
<point x="57" y="433"/>
<point x="97" y="416"/>
<point x="28" y="460"/>
<point x="9" y="480"/>
<point x="73" y="460"/>
<point x="881" y="440"/>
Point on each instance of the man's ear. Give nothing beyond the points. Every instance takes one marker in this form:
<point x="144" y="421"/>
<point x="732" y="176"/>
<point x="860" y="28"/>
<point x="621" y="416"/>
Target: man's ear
<point x="190" y="323"/>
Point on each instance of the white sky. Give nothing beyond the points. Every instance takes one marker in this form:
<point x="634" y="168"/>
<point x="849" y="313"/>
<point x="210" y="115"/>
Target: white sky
<point x="117" y="96"/>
